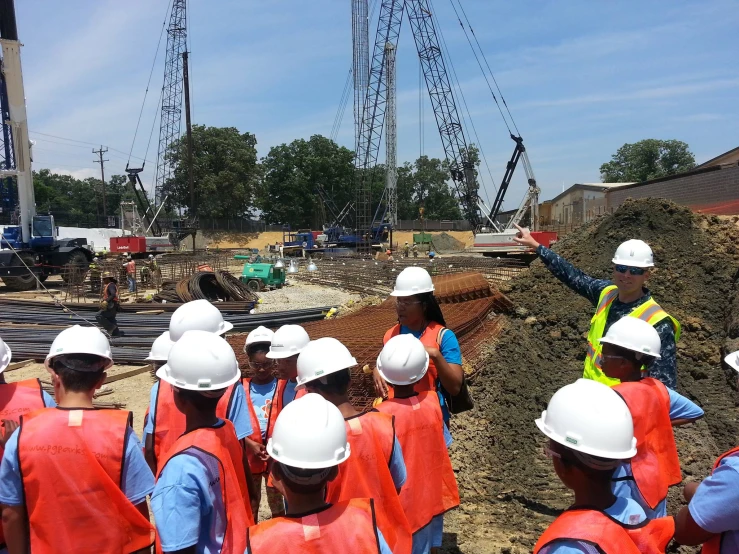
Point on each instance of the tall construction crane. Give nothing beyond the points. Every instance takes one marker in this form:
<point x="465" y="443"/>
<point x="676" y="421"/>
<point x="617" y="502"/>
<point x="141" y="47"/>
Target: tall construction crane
<point x="360" y="67"/>
<point x="439" y="87"/>
<point x="391" y="138"/>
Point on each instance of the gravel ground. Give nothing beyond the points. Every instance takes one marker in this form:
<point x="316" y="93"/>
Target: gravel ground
<point x="296" y="296"/>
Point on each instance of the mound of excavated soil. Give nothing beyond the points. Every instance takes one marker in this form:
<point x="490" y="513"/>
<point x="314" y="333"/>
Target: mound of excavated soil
<point x="505" y="480"/>
<point x="444" y="242"/>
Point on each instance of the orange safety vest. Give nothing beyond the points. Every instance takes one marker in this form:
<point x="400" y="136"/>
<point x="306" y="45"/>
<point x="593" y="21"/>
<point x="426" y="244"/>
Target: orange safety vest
<point x="431" y="337"/>
<point x="656" y="466"/>
<point x="713" y="546"/>
<point x="71" y="462"/>
<point x="607" y="534"/>
<point x="346" y="527"/>
<point x="366" y="474"/>
<point x="169" y="423"/>
<point x="221" y="443"/>
<point x="255" y="464"/>
<point x="104" y="294"/>
<point x="17" y="399"/>
<point x="281" y="385"/>
<point x="430" y="488"/>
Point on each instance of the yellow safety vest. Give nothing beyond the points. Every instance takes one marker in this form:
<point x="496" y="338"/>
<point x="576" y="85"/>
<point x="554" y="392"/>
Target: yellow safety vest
<point x="650" y="311"/>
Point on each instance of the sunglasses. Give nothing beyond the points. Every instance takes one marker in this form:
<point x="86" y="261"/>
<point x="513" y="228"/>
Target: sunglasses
<point x="632" y="270"/>
<point x="549" y="453"/>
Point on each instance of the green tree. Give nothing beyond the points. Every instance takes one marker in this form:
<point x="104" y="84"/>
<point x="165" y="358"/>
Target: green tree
<point x="226" y="173"/>
<point x="425" y="184"/>
<point x="647" y="159"/>
<point x="292" y="172"/>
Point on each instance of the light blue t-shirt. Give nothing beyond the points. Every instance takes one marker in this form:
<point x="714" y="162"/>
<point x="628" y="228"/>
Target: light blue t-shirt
<point x="623" y="484"/>
<point x="715" y="505"/>
<point x="384" y="548"/>
<point x="288" y="395"/>
<point x="261" y="398"/>
<point x="48" y="400"/>
<point x="624" y="510"/>
<point x="397" y="465"/>
<point x="137" y="479"/>
<point x="237" y="413"/>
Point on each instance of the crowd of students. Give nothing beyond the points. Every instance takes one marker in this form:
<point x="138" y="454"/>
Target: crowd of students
<point x="337" y="478"/>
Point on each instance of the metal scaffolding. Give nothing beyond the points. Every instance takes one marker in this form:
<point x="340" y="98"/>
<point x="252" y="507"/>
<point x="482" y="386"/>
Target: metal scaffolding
<point x="360" y="69"/>
<point x="391" y="138"/>
<point x="172" y="91"/>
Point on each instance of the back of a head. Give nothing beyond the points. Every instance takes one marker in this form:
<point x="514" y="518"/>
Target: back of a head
<point x="288" y="340"/>
<point x="321" y="358"/>
<point x="590" y="418"/>
<point x="309" y="434"/>
<point x="403" y="360"/>
<point x="79" y="356"/>
<point x="202" y="362"/>
<point x="198" y="315"/>
<point x="634" y="335"/>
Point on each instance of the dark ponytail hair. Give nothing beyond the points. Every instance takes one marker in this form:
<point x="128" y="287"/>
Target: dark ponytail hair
<point x="431" y="308"/>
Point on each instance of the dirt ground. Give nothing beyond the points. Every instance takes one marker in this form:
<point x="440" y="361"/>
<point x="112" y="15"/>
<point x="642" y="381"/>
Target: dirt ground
<point x="510" y="493"/>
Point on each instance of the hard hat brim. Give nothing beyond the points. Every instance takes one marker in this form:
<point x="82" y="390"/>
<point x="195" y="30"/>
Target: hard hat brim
<point x="606" y="340"/>
<point x="151" y="358"/>
<point x="6" y="362"/>
<point x="227" y="326"/>
<point x="407" y="382"/>
<point x="411" y="292"/>
<point x="163" y="374"/>
<point x="281" y="355"/>
<point x="582" y="448"/>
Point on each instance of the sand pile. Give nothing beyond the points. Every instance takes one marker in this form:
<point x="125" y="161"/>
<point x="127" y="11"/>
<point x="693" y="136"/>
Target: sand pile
<point x="444" y="242"/>
<point x="506" y="481"/>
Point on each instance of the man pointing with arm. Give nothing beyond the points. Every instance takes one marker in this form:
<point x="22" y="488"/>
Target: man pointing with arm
<point x="624" y="295"/>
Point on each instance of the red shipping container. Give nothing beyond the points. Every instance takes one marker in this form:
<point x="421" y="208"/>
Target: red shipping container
<point x="131" y="245"/>
<point x="545" y="238"/>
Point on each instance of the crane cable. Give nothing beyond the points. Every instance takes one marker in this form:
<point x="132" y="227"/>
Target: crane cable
<point x="492" y="75"/>
<point x="148" y="83"/>
<point x="448" y="57"/>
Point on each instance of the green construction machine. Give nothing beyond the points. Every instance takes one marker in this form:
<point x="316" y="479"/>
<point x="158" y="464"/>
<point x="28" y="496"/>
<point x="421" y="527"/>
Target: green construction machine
<point x="260" y="276"/>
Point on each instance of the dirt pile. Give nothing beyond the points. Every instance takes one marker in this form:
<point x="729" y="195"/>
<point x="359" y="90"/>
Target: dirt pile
<point x="444" y="242"/>
<point x="506" y="482"/>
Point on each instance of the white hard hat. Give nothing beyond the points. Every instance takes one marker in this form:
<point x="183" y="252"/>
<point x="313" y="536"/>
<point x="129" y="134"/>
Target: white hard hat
<point x="412" y="280"/>
<point x="202" y="362"/>
<point x="160" y="348"/>
<point x="309" y="433"/>
<point x="198" y="315"/>
<point x="591" y="418"/>
<point x="634" y="253"/>
<point x="80" y="340"/>
<point x="733" y="360"/>
<point x="636" y="335"/>
<point x="288" y="340"/>
<point x="260" y="334"/>
<point x="5" y="355"/>
<point x="403" y="360"/>
<point x="322" y="357"/>
<point x="151" y="255"/>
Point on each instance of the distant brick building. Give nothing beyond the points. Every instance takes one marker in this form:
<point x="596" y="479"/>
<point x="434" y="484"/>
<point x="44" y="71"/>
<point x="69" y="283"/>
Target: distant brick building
<point x="712" y="187"/>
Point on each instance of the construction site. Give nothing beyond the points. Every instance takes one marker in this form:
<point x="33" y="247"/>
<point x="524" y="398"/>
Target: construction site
<point x="522" y="333"/>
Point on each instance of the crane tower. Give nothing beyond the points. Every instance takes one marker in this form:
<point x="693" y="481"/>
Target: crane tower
<point x="391" y="138"/>
<point x="172" y="92"/>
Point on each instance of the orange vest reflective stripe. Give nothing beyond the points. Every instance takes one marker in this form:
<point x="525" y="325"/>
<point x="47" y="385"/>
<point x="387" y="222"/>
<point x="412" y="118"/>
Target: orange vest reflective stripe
<point x="714" y="545"/>
<point x="71" y="463"/>
<point x="221" y="443"/>
<point x="255" y="464"/>
<point x="344" y="527"/>
<point x="169" y="422"/>
<point x="17" y="399"/>
<point x="430" y="488"/>
<point x="104" y="293"/>
<point x="656" y="466"/>
<point x="430" y="337"/>
<point x="366" y="474"/>
<point x="610" y="536"/>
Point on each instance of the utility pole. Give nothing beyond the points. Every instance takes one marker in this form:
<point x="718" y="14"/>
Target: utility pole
<point x="188" y="123"/>
<point x="101" y="161"/>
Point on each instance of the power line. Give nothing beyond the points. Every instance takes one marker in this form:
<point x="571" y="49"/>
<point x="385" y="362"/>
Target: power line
<point x="81" y="142"/>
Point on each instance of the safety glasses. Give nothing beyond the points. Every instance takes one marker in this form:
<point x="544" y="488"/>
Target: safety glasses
<point x="549" y="453"/>
<point x="261" y="365"/>
<point x="406" y="301"/>
<point x="632" y="270"/>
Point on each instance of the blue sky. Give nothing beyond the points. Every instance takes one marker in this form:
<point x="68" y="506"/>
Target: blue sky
<point x="581" y="78"/>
